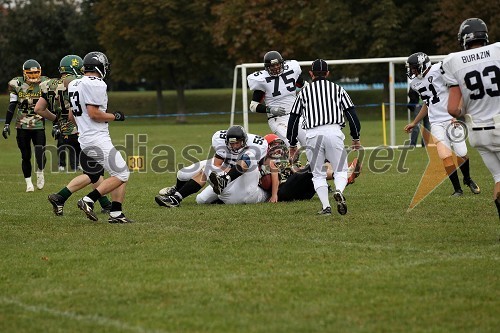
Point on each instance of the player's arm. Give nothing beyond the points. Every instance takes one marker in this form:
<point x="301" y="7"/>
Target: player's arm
<point x="454" y="101"/>
<point x="275" y="181"/>
<point x="414" y="98"/>
<point x="257" y="106"/>
<point x="41" y="109"/>
<point x="354" y="126"/>
<point x="9" y="116"/>
<point x="96" y="115"/>
<point x="423" y="112"/>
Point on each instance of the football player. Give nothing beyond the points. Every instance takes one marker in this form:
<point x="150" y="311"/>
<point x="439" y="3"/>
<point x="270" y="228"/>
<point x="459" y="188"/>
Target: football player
<point x="428" y="82"/>
<point x="274" y="91"/>
<point x="473" y="76"/>
<point x="54" y="105"/>
<point x="24" y="93"/>
<point x="233" y="171"/>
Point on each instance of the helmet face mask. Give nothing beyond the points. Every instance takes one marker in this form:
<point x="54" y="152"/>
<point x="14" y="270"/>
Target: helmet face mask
<point x="32" y="71"/>
<point x="274" y="63"/>
<point x="417" y="64"/>
<point x="236" y="139"/>
<point x="472" y="30"/>
<point x="276" y="148"/>
<point x="71" y="64"/>
<point x="96" y="62"/>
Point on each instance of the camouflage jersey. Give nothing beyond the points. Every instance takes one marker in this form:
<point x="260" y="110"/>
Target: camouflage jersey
<point x="27" y="96"/>
<point x="285" y="169"/>
<point x="55" y="92"/>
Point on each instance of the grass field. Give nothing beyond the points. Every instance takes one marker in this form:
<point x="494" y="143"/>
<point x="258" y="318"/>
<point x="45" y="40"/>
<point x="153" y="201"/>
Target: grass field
<point x="250" y="268"/>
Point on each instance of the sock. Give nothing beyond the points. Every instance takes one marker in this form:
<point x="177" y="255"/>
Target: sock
<point x="465" y="170"/>
<point x="189" y="188"/>
<point x="93" y="196"/>
<point x="452" y="174"/>
<point x="180" y="183"/>
<point x="65" y="193"/>
<point x="104" y="201"/>
<point x="323" y="196"/>
<point x="28" y="181"/>
<point x="116" y="209"/>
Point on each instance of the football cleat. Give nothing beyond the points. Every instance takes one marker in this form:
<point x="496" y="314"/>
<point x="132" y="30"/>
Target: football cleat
<point x="457" y="193"/>
<point x="119" y="219"/>
<point x="57" y="202"/>
<point x="88" y="209"/>
<point x="341" y="204"/>
<point x="30" y="188"/>
<point x="325" y="211"/>
<point x="40" y="180"/>
<point x="170" y="190"/>
<point x="219" y="183"/>
<point x="473" y="186"/>
<point x="168" y="201"/>
<point x="353" y="171"/>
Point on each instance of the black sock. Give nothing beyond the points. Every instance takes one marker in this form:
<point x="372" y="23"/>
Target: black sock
<point x="235" y="172"/>
<point x="180" y="184"/>
<point x="465" y="170"/>
<point x="116" y="206"/>
<point x="452" y="174"/>
<point x="94" y="195"/>
<point x="189" y="188"/>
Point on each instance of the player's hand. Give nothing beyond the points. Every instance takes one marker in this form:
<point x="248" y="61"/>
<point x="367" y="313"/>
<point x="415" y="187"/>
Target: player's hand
<point x="276" y="111"/>
<point x="119" y="116"/>
<point x="409" y="127"/>
<point x="6" y="131"/>
<point x="56" y="131"/>
<point x="356" y="144"/>
<point x="273" y="198"/>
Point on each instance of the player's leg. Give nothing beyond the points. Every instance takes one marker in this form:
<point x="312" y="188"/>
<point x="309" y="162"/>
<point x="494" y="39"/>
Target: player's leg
<point x="207" y="196"/>
<point x="183" y="176"/>
<point x="442" y="141"/>
<point x="61" y="153"/>
<point x="460" y="148"/>
<point x="39" y="142"/>
<point x="23" y="139"/>
<point x="315" y="152"/>
<point x="336" y="154"/>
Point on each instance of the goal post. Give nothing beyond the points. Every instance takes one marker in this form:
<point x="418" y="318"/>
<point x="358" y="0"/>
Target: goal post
<point x="392" y="96"/>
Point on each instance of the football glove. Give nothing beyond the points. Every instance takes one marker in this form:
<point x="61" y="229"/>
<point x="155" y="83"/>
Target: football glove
<point x="56" y="131"/>
<point x="276" y="111"/>
<point x="119" y="116"/>
<point x="6" y="131"/>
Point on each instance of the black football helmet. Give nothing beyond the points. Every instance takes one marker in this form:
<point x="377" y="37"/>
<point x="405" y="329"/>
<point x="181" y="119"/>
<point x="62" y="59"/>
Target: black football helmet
<point x="271" y="59"/>
<point x="472" y="29"/>
<point x="32" y="71"/>
<point x="96" y="62"/>
<point x="417" y="64"/>
<point x="234" y="134"/>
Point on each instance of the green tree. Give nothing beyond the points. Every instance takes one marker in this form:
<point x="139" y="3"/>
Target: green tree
<point x="34" y="29"/>
<point x="166" y="42"/>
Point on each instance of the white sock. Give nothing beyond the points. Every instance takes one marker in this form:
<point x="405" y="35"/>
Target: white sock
<point x="323" y="196"/>
<point x="87" y="199"/>
<point x="28" y="181"/>
<point x="115" y="213"/>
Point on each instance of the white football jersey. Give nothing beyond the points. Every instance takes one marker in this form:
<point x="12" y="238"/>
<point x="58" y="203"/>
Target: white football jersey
<point x="279" y="90"/>
<point x="434" y="92"/>
<point x="477" y="73"/>
<point x="88" y="90"/>
<point x="256" y="148"/>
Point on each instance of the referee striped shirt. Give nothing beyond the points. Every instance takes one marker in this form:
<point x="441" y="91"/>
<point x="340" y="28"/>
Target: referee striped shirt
<point x="322" y="103"/>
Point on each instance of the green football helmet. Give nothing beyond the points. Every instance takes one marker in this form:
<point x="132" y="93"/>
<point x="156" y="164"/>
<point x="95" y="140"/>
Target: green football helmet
<point x="32" y="71"/>
<point x="71" y="64"/>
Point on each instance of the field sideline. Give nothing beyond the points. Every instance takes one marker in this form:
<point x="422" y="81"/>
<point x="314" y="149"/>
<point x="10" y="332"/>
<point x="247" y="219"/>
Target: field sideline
<point x="250" y="268"/>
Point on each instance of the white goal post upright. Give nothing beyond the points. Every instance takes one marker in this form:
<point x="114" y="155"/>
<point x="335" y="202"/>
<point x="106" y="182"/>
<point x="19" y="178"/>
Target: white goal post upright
<point x="392" y="95"/>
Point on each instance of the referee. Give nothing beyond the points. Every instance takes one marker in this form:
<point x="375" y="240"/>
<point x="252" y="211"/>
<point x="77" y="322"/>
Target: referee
<point x="324" y="106"/>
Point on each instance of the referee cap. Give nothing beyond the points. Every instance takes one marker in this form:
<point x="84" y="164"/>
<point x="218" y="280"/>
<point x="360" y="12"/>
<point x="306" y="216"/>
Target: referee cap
<point x="319" y="65"/>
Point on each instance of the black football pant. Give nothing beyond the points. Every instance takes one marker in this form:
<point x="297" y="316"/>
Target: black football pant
<point x="70" y="144"/>
<point x="299" y="186"/>
<point x="24" y="139"/>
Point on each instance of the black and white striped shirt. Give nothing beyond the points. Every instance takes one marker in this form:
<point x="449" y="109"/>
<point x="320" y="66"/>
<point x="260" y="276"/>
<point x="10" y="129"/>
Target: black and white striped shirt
<point x="322" y="103"/>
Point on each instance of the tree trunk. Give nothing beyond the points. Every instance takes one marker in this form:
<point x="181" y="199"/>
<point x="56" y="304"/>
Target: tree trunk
<point x="181" y="104"/>
<point x="160" y="103"/>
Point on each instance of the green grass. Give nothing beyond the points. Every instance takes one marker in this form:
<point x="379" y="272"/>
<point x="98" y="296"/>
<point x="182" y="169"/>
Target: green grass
<point x="250" y="268"/>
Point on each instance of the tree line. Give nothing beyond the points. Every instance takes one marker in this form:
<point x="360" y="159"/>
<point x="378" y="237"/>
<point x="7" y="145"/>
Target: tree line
<point x="176" y="44"/>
